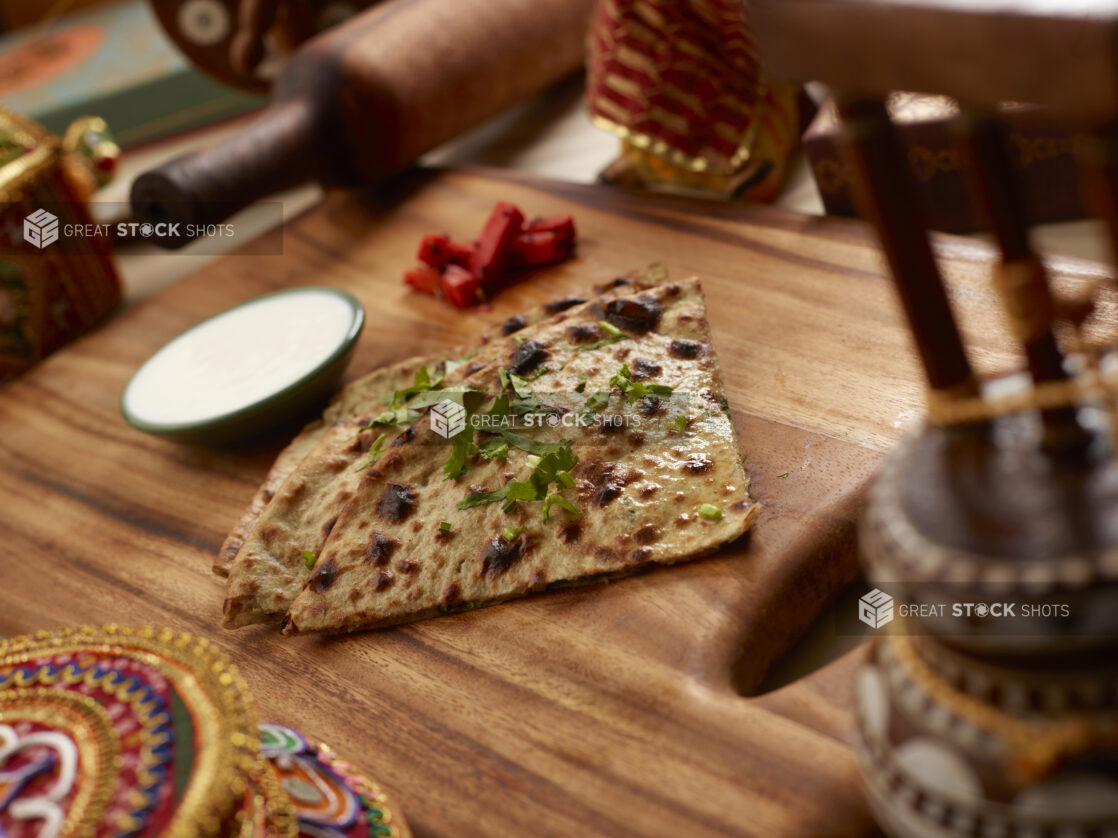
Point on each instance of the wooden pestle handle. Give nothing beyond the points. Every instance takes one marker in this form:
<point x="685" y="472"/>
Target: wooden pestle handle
<point x="368" y="98"/>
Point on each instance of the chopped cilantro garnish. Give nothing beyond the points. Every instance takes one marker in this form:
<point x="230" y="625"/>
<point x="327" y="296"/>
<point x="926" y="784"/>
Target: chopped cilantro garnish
<point x="679" y="423"/>
<point x="538" y="372"/>
<point x="613" y="335"/>
<point x="535" y="446"/>
<point x="375" y="451"/>
<point x="495" y="448"/>
<point x="511" y="534"/>
<point x="309" y="559"/>
<point x="710" y="512"/>
<point x="596" y="401"/>
<point x="520" y="386"/>
<point x="462" y="449"/>
<point x="481" y="498"/>
<point x="394" y="416"/>
<point x="622" y="379"/>
<point x="524" y="401"/>
<point x="461" y="393"/>
<point x="547" y="469"/>
<point x="444" y="526"/>
<point x="783" y="474"/>
<point x="556" y="498"/>
<point x="521" y="489"/>
<point x="500" y="406"/>
<point x="564" y="479"/>
<point x="519" y="338"/>
<point x="423" y="381"/>
<point x="634" y="390"/>
<point x="554" y="459"/>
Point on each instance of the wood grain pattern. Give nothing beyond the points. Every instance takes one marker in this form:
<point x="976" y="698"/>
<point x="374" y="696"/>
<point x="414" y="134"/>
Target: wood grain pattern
<point x="614" y="710"/>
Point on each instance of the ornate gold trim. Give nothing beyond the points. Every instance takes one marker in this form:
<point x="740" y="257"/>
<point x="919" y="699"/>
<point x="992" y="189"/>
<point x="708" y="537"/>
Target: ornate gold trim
<point x="271" y="814"/>
<point x="22" y="172"/>
<point x="679" y="158"/>
<point x="212" y="689"/>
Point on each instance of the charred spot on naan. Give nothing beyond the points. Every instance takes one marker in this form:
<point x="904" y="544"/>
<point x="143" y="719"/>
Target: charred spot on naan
<point x="639" y="315"/>
<point x="686" y="349"/>
<point x="499" y="554"/>
<point x="527" y="356"/>
<point x="324" y="576"/>
<point x="380" y="549"/>
<point x="643" y="369"/>
<point x="514" y="324"/>
<point x="556" y="306"/>
<point x="397" y="502"/>
<point x="603" y="481"/>
<point x="616" y="282"/>
<point x="583" y="332"/>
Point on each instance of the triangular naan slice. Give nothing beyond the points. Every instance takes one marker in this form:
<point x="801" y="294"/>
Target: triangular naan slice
<point x="659" y="481"/>
<point x="287" y="461"/>
<point x="269" y="567"/>
<point x="308" y="485"/>
<point x="358" y="397"/>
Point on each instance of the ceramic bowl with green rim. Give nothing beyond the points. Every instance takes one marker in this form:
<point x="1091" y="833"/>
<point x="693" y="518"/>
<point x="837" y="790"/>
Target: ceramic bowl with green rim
<point x="246" y="370"/>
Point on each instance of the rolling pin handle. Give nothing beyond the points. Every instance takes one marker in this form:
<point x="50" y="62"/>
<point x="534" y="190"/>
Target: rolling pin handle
<point x="276" y="151"/>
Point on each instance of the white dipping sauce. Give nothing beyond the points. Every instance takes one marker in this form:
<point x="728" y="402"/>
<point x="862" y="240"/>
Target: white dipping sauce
<point x="239" y="357"/>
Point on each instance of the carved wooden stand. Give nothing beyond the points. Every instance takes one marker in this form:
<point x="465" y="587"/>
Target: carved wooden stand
<point x="973" y="720"/>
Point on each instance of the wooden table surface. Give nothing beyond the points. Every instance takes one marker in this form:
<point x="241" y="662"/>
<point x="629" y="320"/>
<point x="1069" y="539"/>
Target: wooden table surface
<point x="620" y="709"/>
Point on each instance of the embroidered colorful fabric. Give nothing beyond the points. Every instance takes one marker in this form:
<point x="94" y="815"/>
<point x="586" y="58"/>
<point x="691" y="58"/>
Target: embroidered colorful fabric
<point x="331" y="799"/>
<point x="121" y="733"/>
<point x="135" y="733"/>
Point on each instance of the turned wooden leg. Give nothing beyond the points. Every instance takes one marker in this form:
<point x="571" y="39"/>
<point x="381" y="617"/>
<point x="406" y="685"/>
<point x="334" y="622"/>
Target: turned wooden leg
<point x="890" y="202"/>
<point x="1020" y="278"/>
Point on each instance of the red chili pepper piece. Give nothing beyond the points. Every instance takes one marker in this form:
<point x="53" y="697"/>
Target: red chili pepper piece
<point x="533" y="250"/>
<point x="495" y="246"/>
<point x="461" y="288"/>
<point x="460" y="253"/>
<point x="425" y="279"/>
<point x="433" y="251"/>
<point x="563" y="226"/>
<point x="468" y="273"/>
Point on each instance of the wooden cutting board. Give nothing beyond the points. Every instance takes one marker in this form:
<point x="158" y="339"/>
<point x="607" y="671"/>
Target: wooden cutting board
<point x="616" y="710"/>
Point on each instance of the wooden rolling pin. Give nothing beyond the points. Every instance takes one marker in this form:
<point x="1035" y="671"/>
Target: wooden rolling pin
<point x="368" y="98"/>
